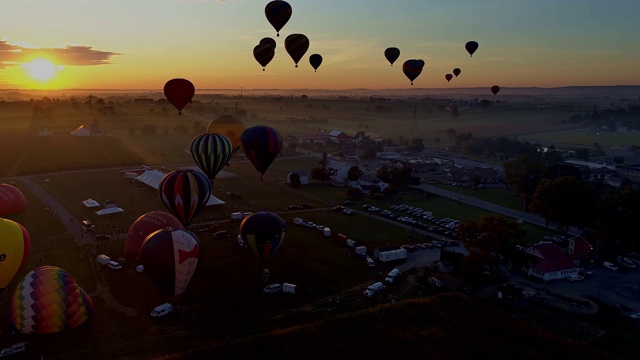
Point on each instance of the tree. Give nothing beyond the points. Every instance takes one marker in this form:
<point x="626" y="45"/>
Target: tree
<point x="417" y="145"/>
<point x="565" y="201"/>
<point x="555" y="171"/>
<point x="493" y="237"/>
<point x="524" y="174"/>
<point x="455" y="113"/>
<point x="383" y="174"/>
<point x="294" y="179"/>
<point x="355" y="193"/>
<point x="180" y="129"/>
<point x="323" y="174"/>
<point x="354" y="173"/>
<point x="618" y="159"/>
<point x="148" y="129"/>
<point x="583" y="154"/>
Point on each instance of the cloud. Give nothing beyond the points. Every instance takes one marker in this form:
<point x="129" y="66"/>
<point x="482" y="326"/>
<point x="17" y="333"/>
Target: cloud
<point x="70" y="55"/>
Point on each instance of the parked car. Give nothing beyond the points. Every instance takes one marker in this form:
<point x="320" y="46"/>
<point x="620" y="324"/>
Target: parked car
<point x="221" y="234"/>
<point x="574" y="278"/>
<point x="610" y="265"/>
<point x="307" y="206"/>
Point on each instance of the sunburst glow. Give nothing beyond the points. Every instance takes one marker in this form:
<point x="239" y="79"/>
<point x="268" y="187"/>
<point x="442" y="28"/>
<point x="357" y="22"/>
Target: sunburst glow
<point x="41" y="69"/>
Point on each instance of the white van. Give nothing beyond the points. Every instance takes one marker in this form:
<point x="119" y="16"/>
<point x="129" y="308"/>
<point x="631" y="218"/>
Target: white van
<point x="298" y="221"/>
<point x="272" y="289"/>
<point x="370" y="262"/>
<point x="435" y="282"/>
<point x="392" y="275"/>
<point x="162" y="310"/>
<point x="327" y="232"/>
<point x="236" y="216"/>
<point x="374" y="288"/>
<point x="103" y="259"/>
<point x="114" y="265"/>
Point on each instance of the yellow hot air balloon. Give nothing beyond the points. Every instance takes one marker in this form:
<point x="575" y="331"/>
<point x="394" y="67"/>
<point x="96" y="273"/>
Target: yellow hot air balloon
<point x="228" y="126"/>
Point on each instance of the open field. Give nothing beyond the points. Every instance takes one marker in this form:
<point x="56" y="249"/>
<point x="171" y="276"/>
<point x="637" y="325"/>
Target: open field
<point x="586" y="138"/>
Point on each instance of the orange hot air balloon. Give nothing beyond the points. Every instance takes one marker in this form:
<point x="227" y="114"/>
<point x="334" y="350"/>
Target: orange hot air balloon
<point x="179" y="93"/>
<point x="12" y="200"/>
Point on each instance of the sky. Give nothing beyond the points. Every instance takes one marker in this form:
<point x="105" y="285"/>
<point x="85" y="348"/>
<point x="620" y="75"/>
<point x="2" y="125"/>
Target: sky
<point x="141" y="44"/>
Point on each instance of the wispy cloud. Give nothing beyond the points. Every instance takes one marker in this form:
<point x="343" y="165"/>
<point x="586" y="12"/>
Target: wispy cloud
<point x="70" y="55"/>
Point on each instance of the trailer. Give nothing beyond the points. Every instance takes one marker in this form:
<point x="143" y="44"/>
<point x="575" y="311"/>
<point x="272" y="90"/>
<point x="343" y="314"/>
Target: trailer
<point x="398" y="254"/>
<point x="289" y="288"/>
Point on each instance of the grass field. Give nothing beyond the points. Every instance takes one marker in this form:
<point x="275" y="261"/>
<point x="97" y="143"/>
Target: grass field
<point x="586" y="138"/>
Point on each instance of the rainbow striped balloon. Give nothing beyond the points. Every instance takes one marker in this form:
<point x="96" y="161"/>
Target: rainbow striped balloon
<point x="184" y="193"/>
<point x="48" y="300"/>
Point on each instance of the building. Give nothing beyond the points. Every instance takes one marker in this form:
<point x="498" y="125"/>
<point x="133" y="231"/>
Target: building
<point x="548" y="261"/>
<point x="309" y="137"/>
<point x="631" y="172"/>
<point x="340" y="137"/>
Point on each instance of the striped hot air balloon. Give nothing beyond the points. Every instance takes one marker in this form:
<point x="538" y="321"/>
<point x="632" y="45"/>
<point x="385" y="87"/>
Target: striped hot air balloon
<point x="261" y="145"/>
<point x="211" y="152"/>
<point x="48" y="300"/>
<point x="144" y="226"/>
<point x="184" y="193"/>
<point x="263" y="232"/>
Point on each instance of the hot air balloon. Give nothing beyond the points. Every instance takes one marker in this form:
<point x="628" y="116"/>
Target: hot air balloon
<point x="15" y="244"/>
<point x="278" y="12"/>
<point x="228" y="126"/>
<point x="261" y="145"/>
<point x="296" y="46"/>
<point x="471" y="47"/>
<point x="412" y="69"/>
<point x="184" y="193"/>
<point x="170" y="257"/>
<point x="263" y="232"/>
<point x="263" y="53"/>
<point x="392" y="54"/>
<point x="179" y="93"/>
<point x="315" y="60"/>
<point x="12" y="200"/>
<point x="495" y="89"/>
<point x="448" y="77"/>
<point x="456" y="72"/>
<point x="268" y="41"/>
<point x="48" y="300"/>
<point x="144" y="226"/>
<point x="211" y="152"/>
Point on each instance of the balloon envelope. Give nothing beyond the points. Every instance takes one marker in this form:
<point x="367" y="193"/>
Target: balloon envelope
<point x="179" y="92"/>
<point x="392" y="54"/>
<point x="184" y="193"/>
<point x="170" y="257"/>
<point x="15" y="244"/>
<point x="12" y="200"/>
<point x="228" y="126"/>
<point x="278" y="13"/>
<point x="261" y="145"/>
<point x="412" y="69"/>
<point x="495" y="89"/>
<point x="456" y="72"/>
<point x="263" y="53"/>
<point x="263" y="232"/>
<point x="471" y="47"/>
<point x="211" y="152"/>
<point x="315" y="60"/>
<point x="448" y="77"/>
<point x="144" y="226"/>
<point x="48" y="300"/>
<point x="296" y="46"/>
<point x="268" y="41"/>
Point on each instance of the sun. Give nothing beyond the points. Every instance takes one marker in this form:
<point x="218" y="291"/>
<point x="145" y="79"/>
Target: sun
<point x="41" y="69"/>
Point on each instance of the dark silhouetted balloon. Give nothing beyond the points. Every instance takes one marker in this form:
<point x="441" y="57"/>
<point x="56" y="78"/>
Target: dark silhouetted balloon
<point x="268" y="41"/>
<point x="261" y="145"/>
<point x="471" y="47"/>
<point x="170" y="257"/>
<point x="12" y="200"/>
<point x="263" y="53"/>
<point x="392" y="54"/>
<point x="48" y="300"/>
<point x="412" y="69"/>
<point x="448" y="77"/>
<point x="456" y="72"/>
<point x="278" y="13"/>
<point x="179" y="93"/>
<point x="184" y="193"/>
<point x="495" y="89"/>
<point x="15" y="244"/>
<point x="263" y="232"/>
<point x="296" y="46"/>
<point x="144" y="226"/>
<point x="228" y="126"/>
<point x="315" y="60"/>
<point x="211" y="152"/>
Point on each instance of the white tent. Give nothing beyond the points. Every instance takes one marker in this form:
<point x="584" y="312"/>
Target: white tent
<point x="81" y="131"/>
<point x="90" y="203"/>
<point x="109" y="211"/>
<point x="152" y="178"/>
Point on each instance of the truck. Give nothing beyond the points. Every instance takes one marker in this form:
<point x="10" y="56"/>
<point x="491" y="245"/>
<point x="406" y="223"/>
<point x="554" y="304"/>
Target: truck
<point x="374" y="288"/>
<point x="341" y="239"/>
<point x="236" y="216"/>
<point x="14" y="349"/>
<point x="289" y="288"/>
<point x="392" y="276"/>
<point x="103" y="259"/>
<point x="327" y="232"/>
<point x="391" y="254"/>
<point x="361" y="251"/>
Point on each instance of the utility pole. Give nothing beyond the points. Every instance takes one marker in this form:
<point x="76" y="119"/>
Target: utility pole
<point x="414" y="124"/>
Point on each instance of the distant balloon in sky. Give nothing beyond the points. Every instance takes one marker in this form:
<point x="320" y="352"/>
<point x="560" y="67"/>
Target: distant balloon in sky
<point x="456" y="72"/>
<point x="278" y="13"/>
<point x="392" y="54"/>
<point x="263" y="53"/>
<point x="315" y="60"/>
<point x="268" y="41"/>
<point x="179" y="93"/>
<point x="412" y="69"/>
<point x="448" y="77"/>
<point x="471" y="47"/>
<point x="296" y="46"/>
<point x="495" y="89"/>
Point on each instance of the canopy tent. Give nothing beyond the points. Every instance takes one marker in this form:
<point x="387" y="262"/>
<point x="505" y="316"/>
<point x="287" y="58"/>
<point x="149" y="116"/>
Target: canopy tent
<point x="108" y="211"/>
<point x="90" y="203"/>
<point x="152" y="178"/>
